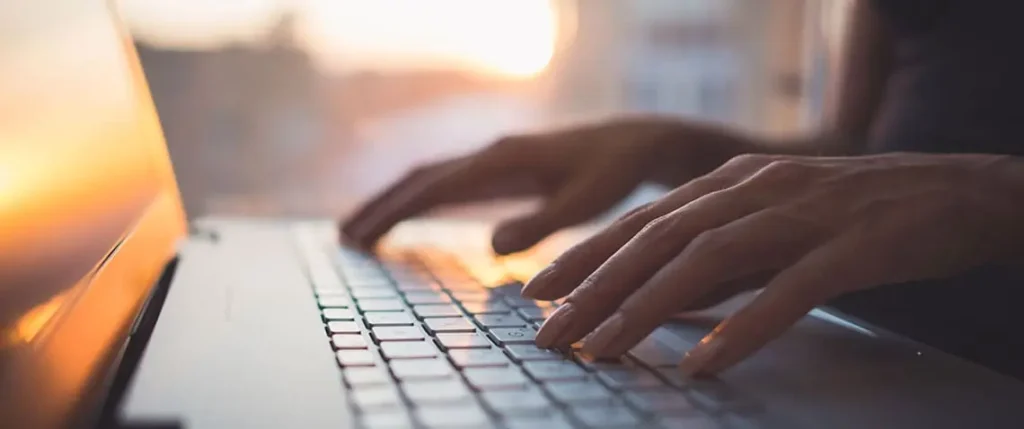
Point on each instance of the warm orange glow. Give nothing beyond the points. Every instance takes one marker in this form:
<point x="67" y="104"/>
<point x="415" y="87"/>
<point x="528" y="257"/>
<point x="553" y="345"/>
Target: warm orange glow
<point x="522" y="268"/>
<point x="511" y="38"/>
<point x="514" y="38"/>
<point x="25" y="329"/>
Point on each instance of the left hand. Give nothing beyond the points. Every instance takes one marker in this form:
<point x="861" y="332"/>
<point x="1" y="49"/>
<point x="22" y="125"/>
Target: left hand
<point x="815" y="228"/>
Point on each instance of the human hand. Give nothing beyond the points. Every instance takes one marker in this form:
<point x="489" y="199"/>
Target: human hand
<point x="806" y="229"/>
<point x="580" y="172"/>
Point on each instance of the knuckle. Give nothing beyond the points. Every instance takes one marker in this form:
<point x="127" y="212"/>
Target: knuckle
<point x="636" y="218"/>
<point x="420" y="171"/>
<point x="657" y="228"/>
<point x="507" y="143"/>
<point x="784" y="171"/>
<point x="747" y="162"/>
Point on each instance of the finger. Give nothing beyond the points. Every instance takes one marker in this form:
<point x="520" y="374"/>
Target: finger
<point x="353" y="225"/>
<point x="764" y="241"/>
<point x="726" y="290"/>
<point x="633" y="264"/>
<point x="576" y="264"/>
<point x="586" y="196"/>
<point x="817" y="277"/>
<point x="602" y="292"/>
<point x="408" y="198"/>
<point x="456" y="181"/>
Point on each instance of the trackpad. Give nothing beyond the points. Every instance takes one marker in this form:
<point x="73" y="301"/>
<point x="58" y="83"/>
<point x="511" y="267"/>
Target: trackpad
<point x="829" y="372"/>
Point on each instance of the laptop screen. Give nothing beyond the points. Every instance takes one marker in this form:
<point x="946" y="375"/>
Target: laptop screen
<point x="82" y="161"/>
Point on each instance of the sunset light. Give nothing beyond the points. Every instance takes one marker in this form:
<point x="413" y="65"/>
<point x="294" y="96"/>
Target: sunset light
<point x="514" y="38"/>
<point x="510" y="38"/>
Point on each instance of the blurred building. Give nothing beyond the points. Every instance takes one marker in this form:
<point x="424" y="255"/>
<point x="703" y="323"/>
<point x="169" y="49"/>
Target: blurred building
<point x="732" y="61"/>
<point x="238" y="117"/>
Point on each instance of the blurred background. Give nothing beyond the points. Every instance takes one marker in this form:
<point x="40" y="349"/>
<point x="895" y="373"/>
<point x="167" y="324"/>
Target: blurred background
<point x="304" y="107"/>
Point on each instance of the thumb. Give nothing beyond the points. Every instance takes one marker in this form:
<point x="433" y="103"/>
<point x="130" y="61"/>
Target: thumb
<point x="583" y="198"/>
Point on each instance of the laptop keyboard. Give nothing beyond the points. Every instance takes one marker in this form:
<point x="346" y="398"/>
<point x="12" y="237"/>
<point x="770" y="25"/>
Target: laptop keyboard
<point x="422" y="342"/>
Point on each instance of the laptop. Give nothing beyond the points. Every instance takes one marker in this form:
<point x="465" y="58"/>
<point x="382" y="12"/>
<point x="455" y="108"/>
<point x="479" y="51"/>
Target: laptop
<point x="116" y="313"/>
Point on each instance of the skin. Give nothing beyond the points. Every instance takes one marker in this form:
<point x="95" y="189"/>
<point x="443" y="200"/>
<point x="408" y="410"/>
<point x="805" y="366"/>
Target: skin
<point x="803" y="220"/>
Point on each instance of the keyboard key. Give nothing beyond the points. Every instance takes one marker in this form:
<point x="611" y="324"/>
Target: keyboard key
<point x="343" y="328"/>
<point x="535" y="314"/>
<point x="449" y="324"/>
<point x="715" y="395"/>
<point x="350" y="358"/>
<point x="460" y="282"/>
<point x="486" y="308"/>
<point x="367" y="293"/>
<point x="380" y="305"/>
<point x="495" y="378"/>
<point x="510" y="320"/>
<point x="554" y="370"/>
<point x="388" y="318"/>
<point x="452" y="417"/>
<point x="660" y="401"/>
<point x="520" y="302"/>
<point x="434" y="392"/>
<point x="473" y="358"/>
<point x="410" y="285"/>
<point x="510" y="288"/>
<point x="387" y="419"/>
<point x="606" y="416"/>
<point x="513" y="335"/>
<point x="427" y="298"/>
<point x="472" y="296"/>
<point x="580" y="392"/>
<point x="359" y="376"/>
<point x="537" y="422"/>
<point x="334" y="302"/>
<point x="333" y="293"/>
<point x="675" y="377"/>
<point x="628" y="379"/>
<point x="505" y="402"/>
<point x="408" y="349"/>
<point x="421" y="369"/>
<point x="348" y="341"/>
<point x="655" y="355"/>
<point x="374" y="397"/>
<point x="530" y="352"/>
<point x="338" y="314"/>
<point x="463" y="341"/>
<point x="366" y="278"/>
<point x="436" y="310"/>
<point x="594" y="364"/>
<point x="397" y="333"/>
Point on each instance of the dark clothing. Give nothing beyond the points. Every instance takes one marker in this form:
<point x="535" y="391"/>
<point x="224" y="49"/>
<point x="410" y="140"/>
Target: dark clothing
<point x="958" y="87"/>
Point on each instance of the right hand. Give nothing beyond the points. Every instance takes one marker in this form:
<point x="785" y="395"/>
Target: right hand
<point x="581" y="172"/>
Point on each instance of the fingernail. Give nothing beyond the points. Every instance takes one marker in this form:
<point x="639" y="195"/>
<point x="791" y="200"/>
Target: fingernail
<point x="701" y="355"/>
<point x="537" y="283"/>
<point x="604" y="335"/>
<point x="555" y="326"/>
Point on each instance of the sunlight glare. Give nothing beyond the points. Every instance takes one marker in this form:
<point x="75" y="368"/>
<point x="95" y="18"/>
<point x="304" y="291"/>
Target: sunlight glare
<point x="514" y="38"/>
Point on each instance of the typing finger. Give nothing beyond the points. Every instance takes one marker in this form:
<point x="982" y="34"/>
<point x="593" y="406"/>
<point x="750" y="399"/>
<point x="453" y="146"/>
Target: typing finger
<point x="625" y="271"/>
<point x="585" y="196"/>
<point x="579" y="262"/>
<point x="795" y="291"/>
<point x="762" y="242"/>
